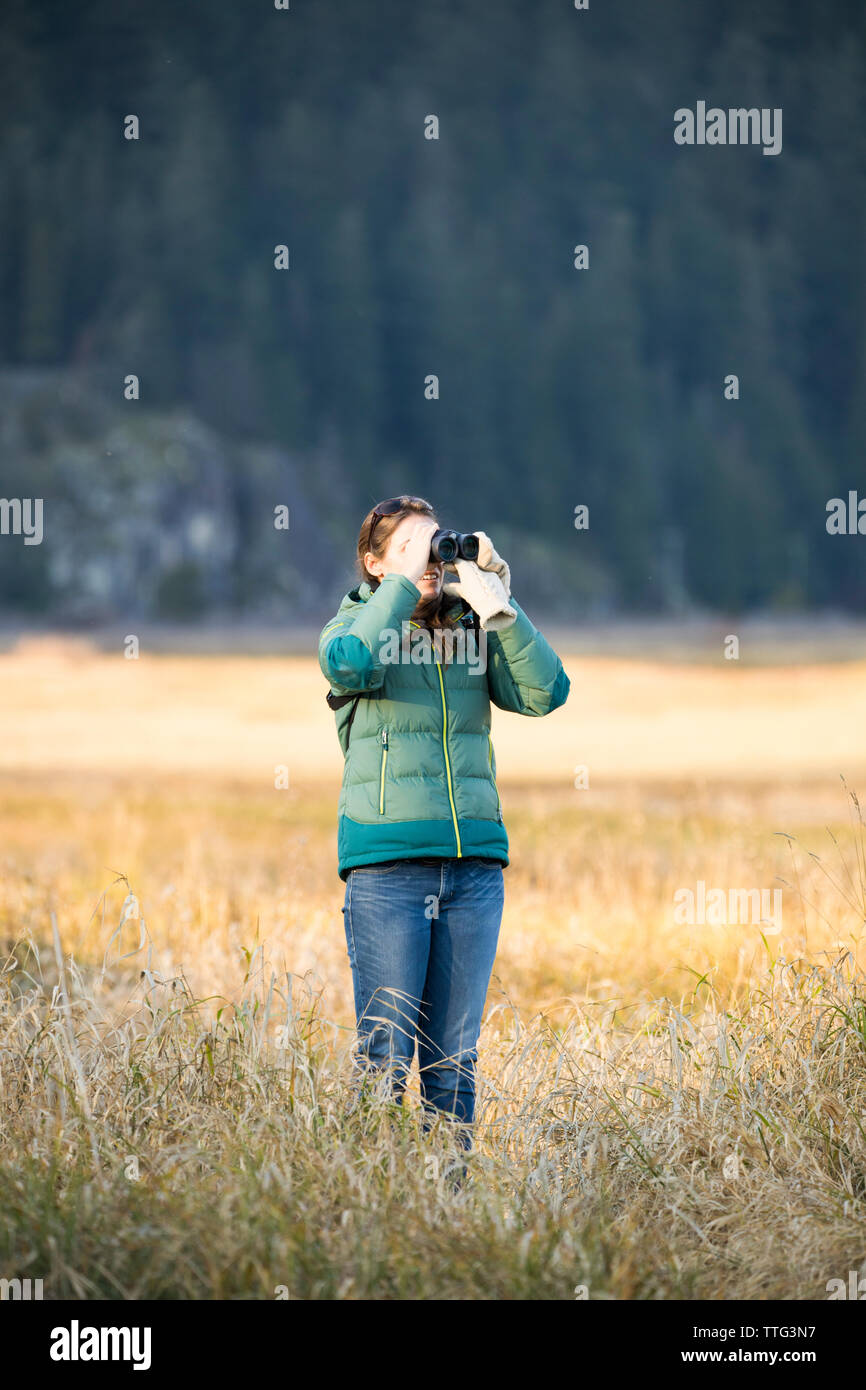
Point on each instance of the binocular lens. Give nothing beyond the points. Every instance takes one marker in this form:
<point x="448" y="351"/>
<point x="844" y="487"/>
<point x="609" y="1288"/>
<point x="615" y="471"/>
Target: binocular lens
<point x="447" y="545"/>
<point x="447" y="549"/>
<point x="444" y="546"/>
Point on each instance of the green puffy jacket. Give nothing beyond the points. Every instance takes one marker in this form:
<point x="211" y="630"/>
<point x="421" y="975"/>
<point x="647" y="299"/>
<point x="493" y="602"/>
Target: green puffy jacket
<point x="420" y="776"/>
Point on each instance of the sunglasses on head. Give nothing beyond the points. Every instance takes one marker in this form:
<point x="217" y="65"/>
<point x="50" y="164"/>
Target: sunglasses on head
<point x="393" y="504"/>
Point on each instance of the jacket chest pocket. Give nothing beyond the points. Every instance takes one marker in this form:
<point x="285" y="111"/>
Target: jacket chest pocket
<point x="383" y="763"/>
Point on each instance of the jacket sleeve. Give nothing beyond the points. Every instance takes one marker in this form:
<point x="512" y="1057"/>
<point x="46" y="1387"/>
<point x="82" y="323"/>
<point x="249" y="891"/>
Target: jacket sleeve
<point x="524" y="674"/>
<point x="349" y="647"/>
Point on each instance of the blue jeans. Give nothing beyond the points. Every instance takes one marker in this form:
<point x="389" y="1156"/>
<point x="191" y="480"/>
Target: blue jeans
<point x="422" y="937"/>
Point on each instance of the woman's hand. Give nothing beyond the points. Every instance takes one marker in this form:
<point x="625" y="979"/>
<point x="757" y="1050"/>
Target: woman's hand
<point x="411" y="556"/>
<point x="484" y="592"/>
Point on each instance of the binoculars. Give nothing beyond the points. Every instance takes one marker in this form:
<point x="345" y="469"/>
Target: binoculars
<point x="449" y="545"/>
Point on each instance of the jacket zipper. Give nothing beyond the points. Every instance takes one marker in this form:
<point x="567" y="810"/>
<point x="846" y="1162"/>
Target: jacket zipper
<point x="447" y="760"/>
<point x="493" y="775"/>
<point x="382" y="772"/>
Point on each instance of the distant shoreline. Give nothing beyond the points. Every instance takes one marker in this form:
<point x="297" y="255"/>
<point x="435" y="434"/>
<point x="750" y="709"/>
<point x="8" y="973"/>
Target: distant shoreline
<point x="775" y="641"/>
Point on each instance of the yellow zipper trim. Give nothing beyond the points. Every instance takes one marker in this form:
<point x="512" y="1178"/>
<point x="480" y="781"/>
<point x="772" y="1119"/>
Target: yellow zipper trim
<point x="493" y="775"/>
<point x="447" y="762"/>
<point x="382" y="774"/>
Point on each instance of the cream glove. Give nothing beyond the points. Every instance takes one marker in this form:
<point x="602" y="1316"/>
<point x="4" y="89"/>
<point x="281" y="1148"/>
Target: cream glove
<point x="489" y="560"/>
<point x="484" y="591"/>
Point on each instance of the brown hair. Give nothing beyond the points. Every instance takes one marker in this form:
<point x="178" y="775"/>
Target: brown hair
<point x="430" y="612"/>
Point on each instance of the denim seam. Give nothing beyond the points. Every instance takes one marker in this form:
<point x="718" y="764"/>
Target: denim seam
<point x="352" y="934"/>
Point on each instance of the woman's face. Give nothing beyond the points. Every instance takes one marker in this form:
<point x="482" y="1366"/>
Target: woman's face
<point x="430" y="583"/>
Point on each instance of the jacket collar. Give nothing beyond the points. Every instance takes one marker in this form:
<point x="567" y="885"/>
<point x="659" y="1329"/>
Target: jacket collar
<point x="363" y="591"/>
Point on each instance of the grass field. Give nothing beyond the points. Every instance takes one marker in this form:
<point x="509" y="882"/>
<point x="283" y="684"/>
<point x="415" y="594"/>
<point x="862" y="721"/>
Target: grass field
<point x="665" y="1110"/>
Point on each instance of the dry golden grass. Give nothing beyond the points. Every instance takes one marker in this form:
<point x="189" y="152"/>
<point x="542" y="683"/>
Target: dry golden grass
<point x="664" y="1110"/>
<point x="68" y="707"/>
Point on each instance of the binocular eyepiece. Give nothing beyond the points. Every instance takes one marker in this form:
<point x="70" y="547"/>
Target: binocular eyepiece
<point x="451" y="545"/>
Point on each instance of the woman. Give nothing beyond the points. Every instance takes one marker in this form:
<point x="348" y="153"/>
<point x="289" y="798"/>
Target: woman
<point x="421" y="842"/>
